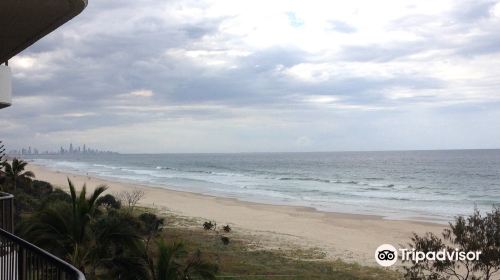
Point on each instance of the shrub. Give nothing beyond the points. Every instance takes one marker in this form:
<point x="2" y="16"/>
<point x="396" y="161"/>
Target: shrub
<point x="131" y="198"/>
<point x="24" y="203"/>
<point x="151" y="223"/>
<point x="109" y="201"/>
<point x="474" y="233"/>
<point x="225" y="240"/>
<point x="226" y="228"/>
<point x="209" y="225"/>
<point x="41" y="188"/>
<point x="57" y="195"/>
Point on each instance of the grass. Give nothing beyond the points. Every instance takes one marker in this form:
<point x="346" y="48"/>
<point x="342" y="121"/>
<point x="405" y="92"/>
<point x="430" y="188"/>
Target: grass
<point x="241" y="259"/>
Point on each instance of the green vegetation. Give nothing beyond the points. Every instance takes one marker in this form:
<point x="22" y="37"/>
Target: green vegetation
<point x="242" y="260"/>
<point x="110" y="237"/>
<point x="15" y="171"/>
<point x="476" y="233"/>
<point x="96" y="234"/>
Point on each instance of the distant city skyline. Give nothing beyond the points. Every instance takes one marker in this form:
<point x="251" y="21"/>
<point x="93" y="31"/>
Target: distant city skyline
<point x="71" y="150"/>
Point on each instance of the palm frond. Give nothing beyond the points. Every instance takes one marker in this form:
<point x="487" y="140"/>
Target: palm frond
<point x="197" y="266"/>
<point x="8" y="169"/>
<point x="126" y="267"/>
<point x="167" y="266"/>
<point x="21" y="164"/>
<point x="82" y="199"/>
<point x="15" y="164"/>
<point x="72" y="190"/>
<point x="95" y="195"/>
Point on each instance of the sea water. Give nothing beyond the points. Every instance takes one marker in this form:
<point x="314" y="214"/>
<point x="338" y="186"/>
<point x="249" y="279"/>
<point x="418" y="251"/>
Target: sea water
<point x="419" y="185"/>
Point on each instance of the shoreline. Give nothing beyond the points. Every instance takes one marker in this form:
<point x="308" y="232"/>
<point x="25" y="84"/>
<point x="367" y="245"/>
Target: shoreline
<point x="336" y="208"/>
<point x="350" y="237"/>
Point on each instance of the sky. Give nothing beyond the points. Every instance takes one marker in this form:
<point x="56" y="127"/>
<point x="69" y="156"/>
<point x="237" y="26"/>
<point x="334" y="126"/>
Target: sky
<point x="150" y="76"/>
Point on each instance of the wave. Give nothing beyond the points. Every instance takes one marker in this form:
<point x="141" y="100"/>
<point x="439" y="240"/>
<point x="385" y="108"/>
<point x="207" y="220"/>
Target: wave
<point x="304" y="179"/>
<point x="198" y="171"/>
<point x="375" y="186"/>
<point x="348" y="182"/>
<point x="372" y="189"/>
<point x="164" y="168"/>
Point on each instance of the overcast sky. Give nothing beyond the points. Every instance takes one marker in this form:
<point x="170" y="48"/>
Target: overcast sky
<point x="245" y="76"/>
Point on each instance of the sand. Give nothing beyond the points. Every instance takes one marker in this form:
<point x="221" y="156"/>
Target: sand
<point x="350" y="237"/>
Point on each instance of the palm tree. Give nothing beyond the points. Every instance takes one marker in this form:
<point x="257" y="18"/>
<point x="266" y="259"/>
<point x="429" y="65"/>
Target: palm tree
<point x="84" y="210"/>
<point x="94" y="241"/>
<point x="118" y="247"/>
<point x="171" y="264"/>
<point x="16" y="171"/>
<point x="65" y="228"/>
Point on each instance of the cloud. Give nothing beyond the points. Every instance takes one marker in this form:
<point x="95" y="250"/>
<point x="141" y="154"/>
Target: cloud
<point x="342" y="27"/>
<point x="323" y="71"/>
<point x="472" y="11"/>
<point x="139" y="93"/>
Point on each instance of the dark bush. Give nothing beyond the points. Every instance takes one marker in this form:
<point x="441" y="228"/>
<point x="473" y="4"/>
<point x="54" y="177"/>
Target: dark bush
<point x="151" y="223"/>
<point x="209" y="225"/>
<point x="109" y="201"/>
<point x="24" y="203"/>
<point x="225" y="240"/>
<point x="57" y="195"/>
<point x="41" y="188"/>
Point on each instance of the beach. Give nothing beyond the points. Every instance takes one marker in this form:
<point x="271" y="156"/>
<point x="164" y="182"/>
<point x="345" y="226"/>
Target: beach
<point x="350" y="237"/>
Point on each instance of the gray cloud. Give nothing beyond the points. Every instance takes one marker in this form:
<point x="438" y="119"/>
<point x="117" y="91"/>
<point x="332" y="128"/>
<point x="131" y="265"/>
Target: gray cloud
<point x="381" y="53"/>
<point x="85" y="72"/>
<point x="471" y="11"/>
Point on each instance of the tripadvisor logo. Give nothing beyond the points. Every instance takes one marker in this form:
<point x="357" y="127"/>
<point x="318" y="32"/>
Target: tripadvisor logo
<point x="387" y="255"/>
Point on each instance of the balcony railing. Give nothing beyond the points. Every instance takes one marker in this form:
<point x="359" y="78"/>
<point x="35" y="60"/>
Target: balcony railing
<point x="21" y="260"/>
<point x="7" y="212"/>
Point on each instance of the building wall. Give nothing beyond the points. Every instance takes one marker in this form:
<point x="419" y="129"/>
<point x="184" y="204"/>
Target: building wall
<point x="5" y="86"/>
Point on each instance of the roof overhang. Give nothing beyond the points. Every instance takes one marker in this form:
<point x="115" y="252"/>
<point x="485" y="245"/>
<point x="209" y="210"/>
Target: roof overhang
<point x="23" y="22"/>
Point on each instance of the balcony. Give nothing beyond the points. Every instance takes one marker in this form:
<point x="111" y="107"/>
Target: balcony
<point x="6" y="212"/>
<point x="21" y="260"/>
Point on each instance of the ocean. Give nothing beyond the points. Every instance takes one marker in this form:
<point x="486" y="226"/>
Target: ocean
<point x="416" y="185"/>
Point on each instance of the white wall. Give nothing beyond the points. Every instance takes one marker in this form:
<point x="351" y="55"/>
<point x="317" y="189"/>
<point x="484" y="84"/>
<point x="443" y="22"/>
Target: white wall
<point x="5" y="86"/>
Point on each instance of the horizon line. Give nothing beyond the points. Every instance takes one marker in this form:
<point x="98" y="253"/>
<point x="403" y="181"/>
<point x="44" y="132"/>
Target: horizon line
<point x="297" y="152"/>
